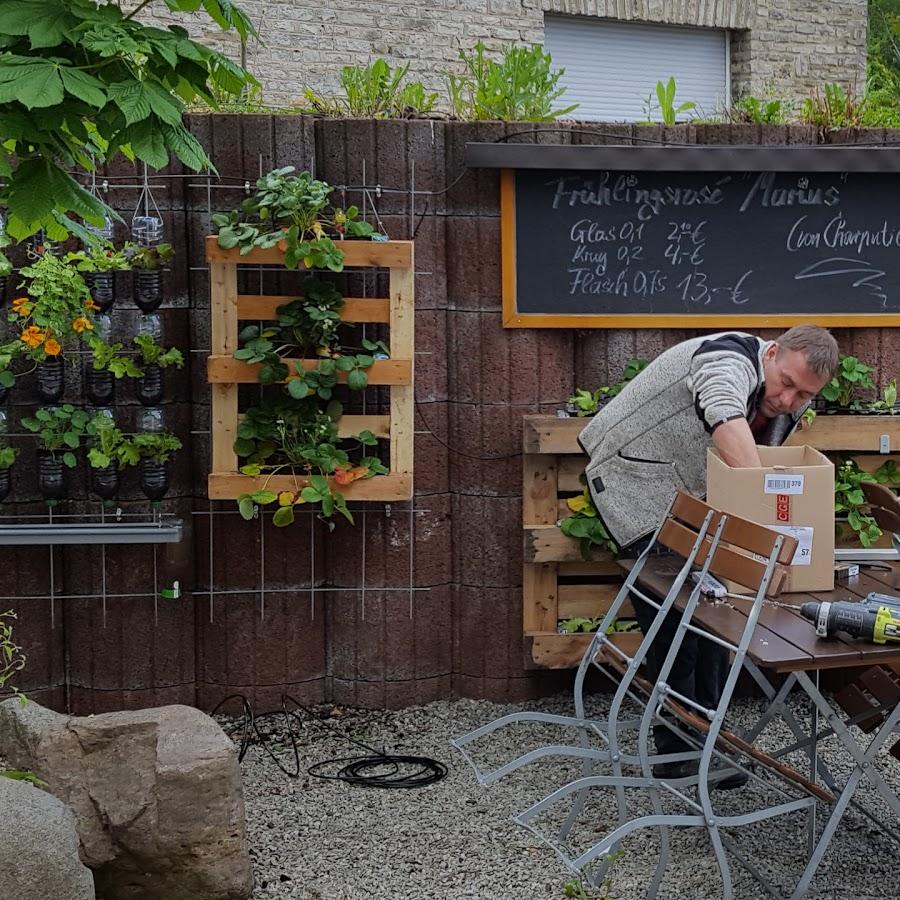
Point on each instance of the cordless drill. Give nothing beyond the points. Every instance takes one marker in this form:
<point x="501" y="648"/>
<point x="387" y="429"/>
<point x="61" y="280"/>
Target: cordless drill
<point x="877" y="618"/>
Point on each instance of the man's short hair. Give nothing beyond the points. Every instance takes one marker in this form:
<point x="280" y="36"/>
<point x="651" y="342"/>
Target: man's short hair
<point x="816" y="343"/>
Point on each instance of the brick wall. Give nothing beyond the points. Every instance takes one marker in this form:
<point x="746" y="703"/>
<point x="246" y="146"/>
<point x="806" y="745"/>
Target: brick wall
<point x="786" y="46"/>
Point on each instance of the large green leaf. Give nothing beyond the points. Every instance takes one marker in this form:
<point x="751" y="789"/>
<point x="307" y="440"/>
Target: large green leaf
<point x="30" y="195"/>
<point x="163" y="103"/>
<point x="186" y="147"/>
<point x="32" y="84"/>
<point x="131" y="97"/>
<point x="46" y="22"/>
<point x="84" y="86"/>
<point x="146" y="139"/>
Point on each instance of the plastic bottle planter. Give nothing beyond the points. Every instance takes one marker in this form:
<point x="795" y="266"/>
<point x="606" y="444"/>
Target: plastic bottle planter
<point x="147" y="289"/>
<point x="51" y="476"/>
<point x="2" y="288"/>
<point x="51" y="379"/>
<point x="150" y="385"/>
<point x="154" y="479"/>
<point x="99" y="386"/>
<point x="105" y="481"/>
<point x="5" y="483"/>
<point x="4" y="394"/>
<point x="102" y="285"/>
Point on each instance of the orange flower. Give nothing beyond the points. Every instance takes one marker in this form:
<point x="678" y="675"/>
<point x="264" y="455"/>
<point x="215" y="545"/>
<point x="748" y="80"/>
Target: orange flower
<point x="32" y="336"/>
<point x="90" y="305"/>
<point x="52" y="348"/>
<point x="22" y="306"/>
<point x="81" y="324"/>
<point x="348" y="476"/>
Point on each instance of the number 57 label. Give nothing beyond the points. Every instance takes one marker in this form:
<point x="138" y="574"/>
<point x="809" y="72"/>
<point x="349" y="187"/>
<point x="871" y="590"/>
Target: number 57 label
<point x="804" y="537"/>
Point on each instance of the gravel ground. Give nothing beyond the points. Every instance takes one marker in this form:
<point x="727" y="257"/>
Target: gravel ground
<point x="326" y="840"/>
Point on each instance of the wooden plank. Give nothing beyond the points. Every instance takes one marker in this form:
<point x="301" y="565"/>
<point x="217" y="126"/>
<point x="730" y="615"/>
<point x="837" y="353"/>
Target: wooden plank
<point x="861" y="433"/>
<point x="549" y="434"/>
<point x="226" y="369"/>
<point x="383" y="254"/>
<point x="564" y="651"/>
<point x="355" y="309"/>
<point x="224" y="421"/>
<point x="571" y="471"/>
<point x="402" y="331"/>
<point x="223" y="308"/>
<point x="546" y="543"/>
<point x="588" y="600"/>
<point x="539" y="503"/>
<point x="539" y="609"/>
<point x="605" y="565"/>
<point x="230" y="485"/>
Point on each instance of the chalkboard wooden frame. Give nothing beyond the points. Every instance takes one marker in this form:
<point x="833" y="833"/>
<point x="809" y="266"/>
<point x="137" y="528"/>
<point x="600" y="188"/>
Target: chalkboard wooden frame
<point x="723" y="158"/>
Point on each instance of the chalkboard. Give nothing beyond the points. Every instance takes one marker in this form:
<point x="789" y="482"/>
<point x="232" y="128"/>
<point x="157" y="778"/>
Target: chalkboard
<point x="695" y="248"/>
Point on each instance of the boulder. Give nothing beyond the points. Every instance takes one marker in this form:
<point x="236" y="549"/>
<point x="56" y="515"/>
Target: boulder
<point x="156" y="794"/>
<point x="39" y="846"/>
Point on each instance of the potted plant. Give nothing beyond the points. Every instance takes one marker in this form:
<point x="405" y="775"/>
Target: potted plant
<point x="60" y="429"/>
<point x="841" y="393"/>
<point x="107" y="362"/>
<point x="154" y="449"/>
<point x="6" y="267"/>
<point x="292" y="212"/>
<point x="98" y="264"/>
<point x="147" y="263"/>
<point x="7" y="458"/>
<point x="154" y="359"/>
<point x="110" y="450"/>
<point x="587" y="403"/>
<point x="55" y="315"/>
<point x="8" y="352"/>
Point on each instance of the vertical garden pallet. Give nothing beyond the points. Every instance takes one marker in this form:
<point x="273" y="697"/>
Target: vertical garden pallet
<point x="556" y="582"/>
<point x="224" y="373"/>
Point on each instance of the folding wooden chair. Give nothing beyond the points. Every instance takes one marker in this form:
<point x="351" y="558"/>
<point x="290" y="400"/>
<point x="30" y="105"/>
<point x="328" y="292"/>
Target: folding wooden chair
<point x="730" y="548"/>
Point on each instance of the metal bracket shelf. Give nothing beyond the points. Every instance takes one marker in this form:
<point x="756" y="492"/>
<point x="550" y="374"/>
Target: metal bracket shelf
<point x="159" y="532"/>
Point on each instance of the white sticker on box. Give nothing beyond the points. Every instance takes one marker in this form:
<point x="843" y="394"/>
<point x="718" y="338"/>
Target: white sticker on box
<point x="783" y="484"/>
<point x="804" y="537"/>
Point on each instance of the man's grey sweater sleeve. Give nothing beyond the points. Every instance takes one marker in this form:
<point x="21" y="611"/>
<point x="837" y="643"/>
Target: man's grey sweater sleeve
<point x="722" y="383"/>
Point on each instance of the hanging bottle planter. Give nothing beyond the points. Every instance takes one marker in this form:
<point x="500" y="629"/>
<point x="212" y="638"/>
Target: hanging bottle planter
<point x="51" y="476"/>
<point x="99" y="385"/>
<point x="105" y="481"/>
<point x="154" y="479"/>
<point x="147" y="289"/>
<point x="150" y="386"/>
<point x="5" y="483"/>
<point x="102" y="287"/>
<point x="51" y="379"/>
<point x="4" y="394"/>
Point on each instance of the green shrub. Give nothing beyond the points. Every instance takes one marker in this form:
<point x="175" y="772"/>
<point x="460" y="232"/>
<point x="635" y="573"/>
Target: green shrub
<point x="522" y="86"/>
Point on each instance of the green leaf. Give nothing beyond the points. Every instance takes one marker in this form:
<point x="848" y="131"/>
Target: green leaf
<point x="146" y="140"/>
<point x="163" y="103"/>
<point x="246" y="507"/>
<point x="284" y="515"/>
<point x="310" y="495"/>
<point x="132" y="98"/>
<point x="46" y="22"/>
<point x="69" y="460"/>
<point x="36" y="85"/>
<point x="357" y="380"/>
<point x="264" y="497"/>
<point x="84" y="86"/>
<point x="186" y="147"/>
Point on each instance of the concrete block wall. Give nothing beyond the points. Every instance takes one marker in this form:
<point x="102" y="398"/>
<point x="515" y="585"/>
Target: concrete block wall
<point x="786" y="47"/>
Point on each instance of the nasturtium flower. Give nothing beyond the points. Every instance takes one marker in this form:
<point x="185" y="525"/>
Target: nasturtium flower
<point x="91" y="306"/>
<point x="52" y="348"/>
<point x="32" y="336"/>
<point x="22" y="306"/>
<point x="81" y="324"/>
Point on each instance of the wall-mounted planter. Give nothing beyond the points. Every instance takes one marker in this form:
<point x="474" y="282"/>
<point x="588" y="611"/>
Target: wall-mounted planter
<point x="4" y="394"/>
<point x="102" y="287"/>
<point x="51" y="476"/>
<point x="5" y="483"/>
<point x="147" y="289"/>
<point x="150" y="386"/>
<point x="105" y="481"/>
<point x="154" y="479"/>
<point x="99" y="386"/>
<point x="51" y="379"/>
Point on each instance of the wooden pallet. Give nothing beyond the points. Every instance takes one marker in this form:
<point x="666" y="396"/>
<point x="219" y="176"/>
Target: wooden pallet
<point x="224" y="373"/>
<point x="557" y="583"/>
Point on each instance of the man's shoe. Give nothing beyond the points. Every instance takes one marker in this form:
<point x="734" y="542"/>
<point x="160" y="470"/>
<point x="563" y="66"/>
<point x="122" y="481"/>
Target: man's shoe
<point x="671" y="771"/>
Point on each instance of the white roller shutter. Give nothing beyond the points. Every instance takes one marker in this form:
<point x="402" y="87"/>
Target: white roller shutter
<point x="612" y="67"/>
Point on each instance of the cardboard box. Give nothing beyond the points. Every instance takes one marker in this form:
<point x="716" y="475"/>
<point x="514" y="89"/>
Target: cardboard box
<point x="793" y="493"/>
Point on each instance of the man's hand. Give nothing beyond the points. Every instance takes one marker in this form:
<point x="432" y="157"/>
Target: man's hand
<point x="736" y="444"/>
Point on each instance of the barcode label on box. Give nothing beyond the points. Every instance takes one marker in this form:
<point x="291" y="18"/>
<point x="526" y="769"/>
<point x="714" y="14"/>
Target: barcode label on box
<point x="783" y="484"/>
<point x="804" y="536"/>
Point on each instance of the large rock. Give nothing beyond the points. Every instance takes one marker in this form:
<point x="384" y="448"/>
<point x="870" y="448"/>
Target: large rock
<point x="156" y="794"/>
<point x="39" y="846"/>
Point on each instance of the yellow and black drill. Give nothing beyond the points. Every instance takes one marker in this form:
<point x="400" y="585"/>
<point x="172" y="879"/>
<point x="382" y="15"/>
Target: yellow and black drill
<point x="877" y="618"/>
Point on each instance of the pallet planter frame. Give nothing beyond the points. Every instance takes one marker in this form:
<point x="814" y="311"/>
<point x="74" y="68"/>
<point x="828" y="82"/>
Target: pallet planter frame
<point x="557" y="584"/>
<point x="224" y="373"/>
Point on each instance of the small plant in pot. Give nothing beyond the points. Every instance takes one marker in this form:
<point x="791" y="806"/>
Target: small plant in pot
<point x="7" y="458"/>
<point x="107" y="362"/>
<point x="841" y="393"/>
<point x="110" y="451"/>
<point x="154" y="449"/>
<point x="147" y="264"/>
<point x="587" y="403"/>
<point x="98" y="264"/>
<point x="154" y="359"/>
<point x="55" y="316"/>
<point x="60" y="430"/>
